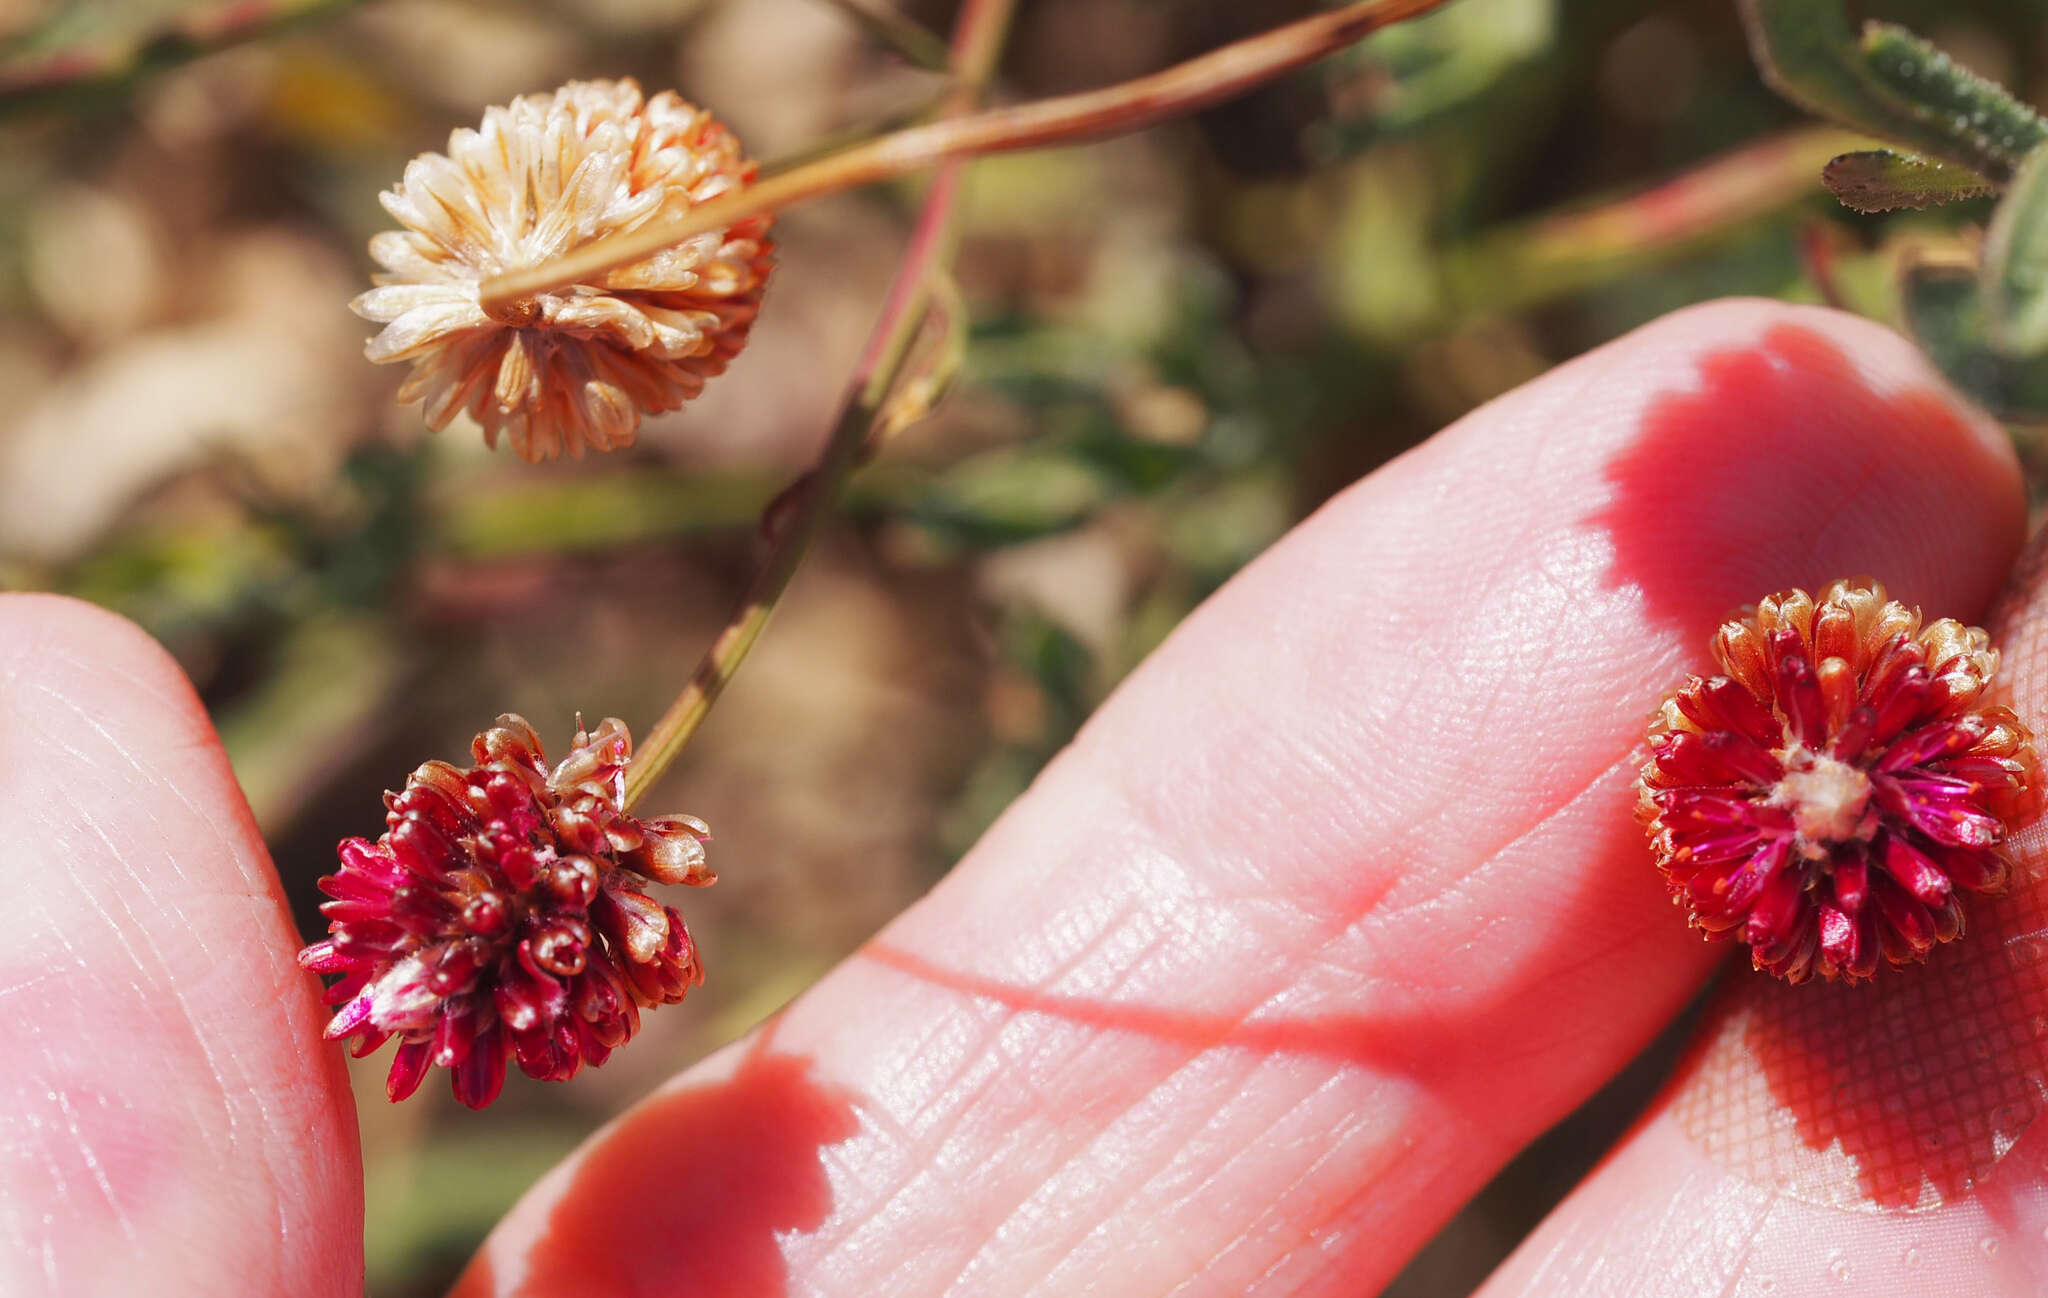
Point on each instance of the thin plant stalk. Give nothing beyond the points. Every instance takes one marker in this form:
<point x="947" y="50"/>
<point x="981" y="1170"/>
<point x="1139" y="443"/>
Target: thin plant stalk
<point x="795" y="519"/>
<point x="1069" y="119"/>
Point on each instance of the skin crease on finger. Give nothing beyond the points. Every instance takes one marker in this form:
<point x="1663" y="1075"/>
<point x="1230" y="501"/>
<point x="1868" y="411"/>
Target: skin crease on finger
<point x="170" y="1122"/>
<point x="1338" y="902"/>
<point x="1819" y="1140"/>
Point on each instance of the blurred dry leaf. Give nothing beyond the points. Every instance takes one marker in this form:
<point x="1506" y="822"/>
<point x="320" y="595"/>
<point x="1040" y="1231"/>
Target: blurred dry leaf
<point x="801" y="48"/>
<point x="332" y="104"/>
<point x="18" y="16"/>
<point x="196" y="104"/>
<point x="465" y="55"/>
<point x="1083" y="580"/>
<point x="94" y="261"/>
<point x="1652" y="70"/>
<point x="270" y="378"/>
<point x="822" y="773"/>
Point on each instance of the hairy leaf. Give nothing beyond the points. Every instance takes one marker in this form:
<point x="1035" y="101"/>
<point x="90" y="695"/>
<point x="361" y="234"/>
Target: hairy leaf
<point x="1878" y="180"/>
<point x="1890" y="83"/>
<point x="1953" y="101"/>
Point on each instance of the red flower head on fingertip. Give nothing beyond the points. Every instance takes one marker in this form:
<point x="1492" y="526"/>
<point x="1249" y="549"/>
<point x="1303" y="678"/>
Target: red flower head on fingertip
<point x="1829" y="797"/>
<point x="504" y="914"/>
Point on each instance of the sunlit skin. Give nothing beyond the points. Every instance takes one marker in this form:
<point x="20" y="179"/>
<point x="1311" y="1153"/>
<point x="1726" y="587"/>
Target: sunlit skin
<point x="1334" y="906"/>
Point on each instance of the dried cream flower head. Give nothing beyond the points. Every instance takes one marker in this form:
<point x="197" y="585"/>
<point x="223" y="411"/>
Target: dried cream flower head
<point x="576" y="367"/>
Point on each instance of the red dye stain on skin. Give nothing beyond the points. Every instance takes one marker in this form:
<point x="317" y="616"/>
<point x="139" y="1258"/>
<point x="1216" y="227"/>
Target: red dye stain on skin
<point x="688" y="1194"/>
<point x="1791" y="398"/>
<point x="1904" y="1094"/>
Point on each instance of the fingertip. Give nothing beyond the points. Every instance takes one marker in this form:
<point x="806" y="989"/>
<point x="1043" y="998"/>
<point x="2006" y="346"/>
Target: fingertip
<point x="1791" y="445"/>
<point x="59" y="654"/>
<point x="166" y="1039"/>
<point x="35" y="622"/>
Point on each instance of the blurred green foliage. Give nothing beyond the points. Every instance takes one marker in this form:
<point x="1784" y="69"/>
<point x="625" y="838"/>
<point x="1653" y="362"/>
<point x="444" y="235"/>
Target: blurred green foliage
<point x="67" y="53"/>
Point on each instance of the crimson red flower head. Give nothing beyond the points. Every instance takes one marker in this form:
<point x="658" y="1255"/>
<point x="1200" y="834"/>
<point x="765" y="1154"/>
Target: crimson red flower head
<point x="504" y="914"/>
<point x="1828" y="797"/>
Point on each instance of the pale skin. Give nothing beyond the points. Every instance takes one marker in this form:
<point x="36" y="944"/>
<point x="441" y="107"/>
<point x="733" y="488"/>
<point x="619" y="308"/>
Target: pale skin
<point x="1334" y="906"/>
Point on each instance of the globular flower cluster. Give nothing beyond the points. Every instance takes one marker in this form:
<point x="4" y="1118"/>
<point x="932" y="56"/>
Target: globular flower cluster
<point x="1828" y="797"/>
<point x="505" y="914"/>
<point x="577" y="367"/>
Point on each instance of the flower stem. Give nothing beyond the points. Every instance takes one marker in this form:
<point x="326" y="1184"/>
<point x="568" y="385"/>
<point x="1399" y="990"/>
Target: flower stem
<point x="794" y="518"/>
<point x="1069" y="119"/>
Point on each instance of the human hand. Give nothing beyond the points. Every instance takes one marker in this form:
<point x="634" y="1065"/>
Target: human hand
<point x="1337" y="904"/>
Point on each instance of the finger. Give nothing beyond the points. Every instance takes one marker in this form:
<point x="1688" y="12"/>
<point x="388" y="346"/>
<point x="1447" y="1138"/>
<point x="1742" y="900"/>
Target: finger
<point x="171" y="1122"/>
<point x="1338" y="901"/>
<point x="1887" y="1135"/>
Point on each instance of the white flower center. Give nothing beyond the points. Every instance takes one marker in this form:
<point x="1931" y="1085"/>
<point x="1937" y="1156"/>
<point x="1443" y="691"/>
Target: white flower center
<point x="1829" y="801"/>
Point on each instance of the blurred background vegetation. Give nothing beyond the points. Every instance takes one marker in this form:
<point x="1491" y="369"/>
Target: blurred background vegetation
<point x="1182" y="343"/>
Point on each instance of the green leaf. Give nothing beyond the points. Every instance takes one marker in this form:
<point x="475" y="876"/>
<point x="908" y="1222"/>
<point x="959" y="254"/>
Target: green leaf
<point x="1878" y="180"/>
<point x="1944" y="310"/>
<point x="1410" y="74"/>
<point x="1976" y="113"/>
<point x="2014" y="275"/>
<point x="1889" y="83"/>
<point x="1004" y="497"/>
<point x="596" y="513"/>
